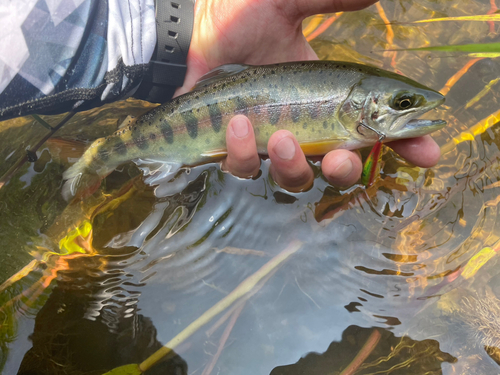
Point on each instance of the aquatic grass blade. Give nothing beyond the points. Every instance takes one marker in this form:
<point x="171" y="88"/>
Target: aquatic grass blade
<point x="241" y="290"/>
<point x="372" y="165"/>
<point x="480" y="17"/>
<point x="479" y="48"/>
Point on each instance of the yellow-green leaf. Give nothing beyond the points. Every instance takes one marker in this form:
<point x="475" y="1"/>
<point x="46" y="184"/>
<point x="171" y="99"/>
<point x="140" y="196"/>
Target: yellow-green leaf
<point x="132" y="369"/>
<point x="68" y="245"/>
<point x="477" y="261"/>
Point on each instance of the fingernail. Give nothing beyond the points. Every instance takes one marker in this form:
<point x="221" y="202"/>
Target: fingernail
<point x="285" y="148"/>
<point x="240" y="127"/>
<point x="344" y="169"/>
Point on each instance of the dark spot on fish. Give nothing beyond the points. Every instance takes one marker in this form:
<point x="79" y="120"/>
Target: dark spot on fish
<point x="295" y="72"/>
<point x="241" y="106"/>
<point x="120" y="148"/>
<point x="161" y="149"/>
<point x="191" y="124"/>
<point x="303" y="64"/>
<point x="250" y="85"/>
<point x="313" y="111"/>
<point x="275" y="86"/>
<point x="197" y="97"/>
<point x="263" y="76"/>
<point x="374" y="115"/>
<point x="325" y="124"/>
<point x="320" y="72"/>
<point x="375" y="100"/>
<point x="312" y="129"/>
<point x="304" y="126"/>
<point x="255" y="72"/>
<point x="215" y="116"/>
<point x="274" y="115"/>
<point x="166" y="131"/>
<point x="295" y="112"/>
<point x="152" y="136"/>
<point x="140" y="141"/>
<point x="207" y="141"/>
<point x="344" y="66"/>
<point x="172" y="110"/>
<point x="103" y="155"/>
<point x="273" y="72"/>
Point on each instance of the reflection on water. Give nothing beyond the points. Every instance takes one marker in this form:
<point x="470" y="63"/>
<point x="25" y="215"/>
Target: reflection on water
<point x="389" y="279"/>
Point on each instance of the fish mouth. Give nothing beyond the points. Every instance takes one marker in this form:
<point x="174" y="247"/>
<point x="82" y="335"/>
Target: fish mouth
<point x="421" y="124"/>
<point x="418" y="127"/>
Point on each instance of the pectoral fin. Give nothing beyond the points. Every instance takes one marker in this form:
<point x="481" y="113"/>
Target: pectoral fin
<point x="320" y="148"/>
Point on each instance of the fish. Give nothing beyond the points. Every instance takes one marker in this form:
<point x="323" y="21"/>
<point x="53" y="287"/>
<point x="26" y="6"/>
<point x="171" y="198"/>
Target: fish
<point x="327" y="105"/>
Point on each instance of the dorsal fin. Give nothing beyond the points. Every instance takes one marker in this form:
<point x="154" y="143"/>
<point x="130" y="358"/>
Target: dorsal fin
<point x="219" y="73"/>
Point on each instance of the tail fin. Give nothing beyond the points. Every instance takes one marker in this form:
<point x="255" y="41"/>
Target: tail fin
<point x="80" y="181"/>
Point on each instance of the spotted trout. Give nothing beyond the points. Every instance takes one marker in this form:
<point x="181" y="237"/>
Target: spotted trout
<point x="326" y="104"/>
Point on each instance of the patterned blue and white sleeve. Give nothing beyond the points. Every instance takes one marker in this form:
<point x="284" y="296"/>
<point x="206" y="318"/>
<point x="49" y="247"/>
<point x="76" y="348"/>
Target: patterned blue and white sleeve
<point x="59" y="55"/>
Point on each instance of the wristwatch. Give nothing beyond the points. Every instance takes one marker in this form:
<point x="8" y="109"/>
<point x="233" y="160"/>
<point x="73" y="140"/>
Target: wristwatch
<point x="167" y="68"/>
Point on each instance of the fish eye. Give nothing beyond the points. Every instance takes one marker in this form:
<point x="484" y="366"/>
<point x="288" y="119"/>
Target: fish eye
<point x="403" y="102"/>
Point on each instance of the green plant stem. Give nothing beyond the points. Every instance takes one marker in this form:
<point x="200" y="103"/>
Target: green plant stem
<point x="365" y="351"/>
<point x="246" y="286"/>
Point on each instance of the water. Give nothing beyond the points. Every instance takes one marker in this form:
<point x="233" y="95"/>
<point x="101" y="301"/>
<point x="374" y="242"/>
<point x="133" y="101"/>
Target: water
<point x="383" y="274"/>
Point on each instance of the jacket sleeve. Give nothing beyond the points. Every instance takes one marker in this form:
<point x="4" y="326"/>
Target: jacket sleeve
<point x="60" y="55"/>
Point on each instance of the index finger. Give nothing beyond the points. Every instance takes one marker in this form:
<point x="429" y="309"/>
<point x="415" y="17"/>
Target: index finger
<point x="422" y="151"/>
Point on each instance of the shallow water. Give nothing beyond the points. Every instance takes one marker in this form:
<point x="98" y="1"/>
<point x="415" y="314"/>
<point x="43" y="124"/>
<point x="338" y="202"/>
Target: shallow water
<point x="385" y="271"/>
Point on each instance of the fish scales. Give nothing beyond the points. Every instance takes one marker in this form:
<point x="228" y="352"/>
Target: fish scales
<point x="320" y="102"/>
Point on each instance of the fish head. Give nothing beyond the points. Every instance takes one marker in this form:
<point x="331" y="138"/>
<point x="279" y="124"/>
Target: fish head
<point x="390" y="106"/>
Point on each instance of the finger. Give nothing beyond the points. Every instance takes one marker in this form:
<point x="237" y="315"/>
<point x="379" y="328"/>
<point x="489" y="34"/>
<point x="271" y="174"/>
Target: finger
<point x="342" y="167"/>
<point x="289" y="166"/>
<point x="242" y="157"/>
<point x="307" y="8"/>
<point x="423" y="151"/>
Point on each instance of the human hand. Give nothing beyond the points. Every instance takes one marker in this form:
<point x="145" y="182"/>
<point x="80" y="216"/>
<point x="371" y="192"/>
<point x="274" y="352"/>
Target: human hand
<point x="289" y="167"/>
<point x="270" y="31"/>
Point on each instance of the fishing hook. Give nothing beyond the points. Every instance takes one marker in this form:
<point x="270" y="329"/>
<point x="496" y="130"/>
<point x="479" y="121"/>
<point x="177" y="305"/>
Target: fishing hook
<point x="381" y="136"/>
